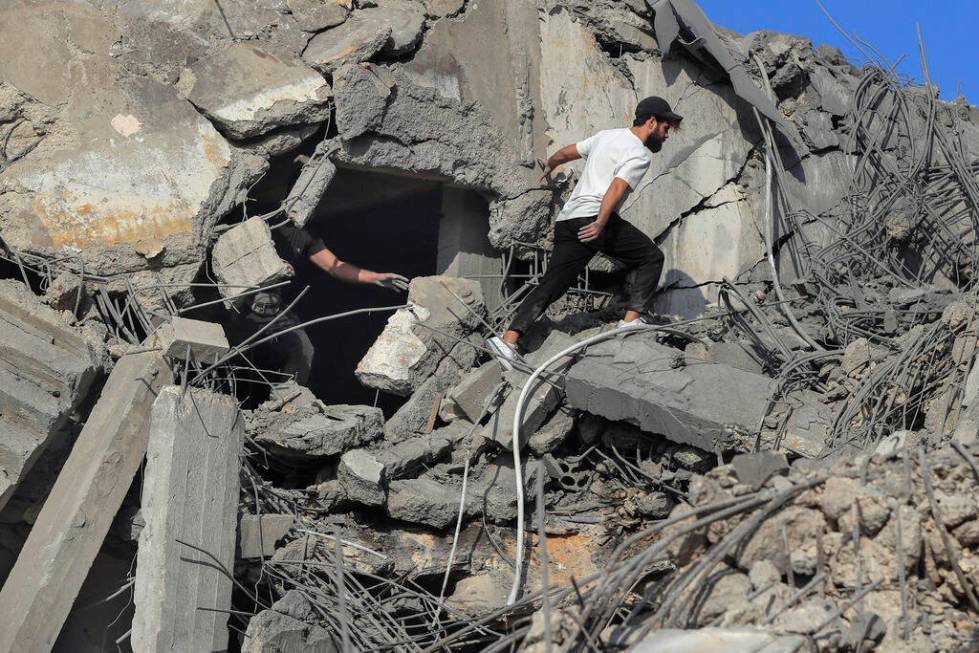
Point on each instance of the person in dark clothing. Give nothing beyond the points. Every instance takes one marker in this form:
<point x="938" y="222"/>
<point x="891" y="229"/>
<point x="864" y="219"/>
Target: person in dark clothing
<point x="615" y="162"/>
<point x="292" y="353"/>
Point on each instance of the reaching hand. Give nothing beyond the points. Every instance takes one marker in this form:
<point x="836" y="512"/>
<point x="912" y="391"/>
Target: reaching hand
<point x="545" y="178"/>
<point x="590" y="231"/>
<point x="391" y="281"/>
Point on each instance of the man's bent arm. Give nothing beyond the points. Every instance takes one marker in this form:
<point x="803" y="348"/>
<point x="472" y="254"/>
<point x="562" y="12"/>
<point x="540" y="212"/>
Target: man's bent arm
<point x="613" y="197"/>
<point x="610" y="202"/>
<point x="329" y="263"/>
<point x="566" y="154"/>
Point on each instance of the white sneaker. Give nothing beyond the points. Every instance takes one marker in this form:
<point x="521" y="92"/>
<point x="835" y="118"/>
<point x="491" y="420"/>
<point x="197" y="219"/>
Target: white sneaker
<point x="635" y="325"/>
<point x="503" y="351"/>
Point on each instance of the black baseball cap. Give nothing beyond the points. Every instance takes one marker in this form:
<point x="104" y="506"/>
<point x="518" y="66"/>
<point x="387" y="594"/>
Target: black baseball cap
<point x="657" y="107"/>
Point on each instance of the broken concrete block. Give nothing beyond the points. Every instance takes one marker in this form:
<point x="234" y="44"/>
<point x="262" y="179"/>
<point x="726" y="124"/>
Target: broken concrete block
<point x="244" y="257"/>
<point x="357" y="39"/>
<point x="553" y="434"/>
<point x="38" y="594"/>
<point x="287" y="627"/>
<point x="408" y="456"/>
<point x="249" y="92"/>
<point x="316" y="429"/>
<point x="541" y="401"/>
<point x="662" y="391"/>
<point x="206" y="340"/>
<point x="46" y="369"/>
<point x="423" y="501"/>
<point x="479" y="595"/>
<point x="415" y="414"/>
<point x="310" y="186"/>
<point x="416" y="339"/>
<point x="393" y="27"/>
<point x="259" y="534"/>
<point x="755" y="469"/>
<point x="189" y="497"/>
<point x="809" y="424"/>
<point x="406" y="19"/>
<point x="467" y="399"/>
<point x="316" y="15"/>
<point x="361" y="476"/>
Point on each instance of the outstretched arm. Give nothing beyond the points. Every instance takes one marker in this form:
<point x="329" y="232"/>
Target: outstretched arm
<point x="613" y="197"/>
<point x="566" y="154"/>
<point x="329" y="263"/>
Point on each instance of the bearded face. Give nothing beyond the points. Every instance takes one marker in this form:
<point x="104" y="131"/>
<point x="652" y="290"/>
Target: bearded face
<point x="654" y="143"/>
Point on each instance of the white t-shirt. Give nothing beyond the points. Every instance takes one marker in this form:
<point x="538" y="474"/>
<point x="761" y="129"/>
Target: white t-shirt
<point x="608" y="154"/>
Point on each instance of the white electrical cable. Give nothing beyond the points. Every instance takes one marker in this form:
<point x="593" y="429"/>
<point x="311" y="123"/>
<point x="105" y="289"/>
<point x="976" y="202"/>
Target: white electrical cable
<point x="518" y="417"/>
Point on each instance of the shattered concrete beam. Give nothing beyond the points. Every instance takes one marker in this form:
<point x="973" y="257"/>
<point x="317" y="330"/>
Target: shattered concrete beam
<point x="190" y="494"/>
<point x="46" y="369"/>
<point x="664" y="391"/>
<point x="55" y="559"/>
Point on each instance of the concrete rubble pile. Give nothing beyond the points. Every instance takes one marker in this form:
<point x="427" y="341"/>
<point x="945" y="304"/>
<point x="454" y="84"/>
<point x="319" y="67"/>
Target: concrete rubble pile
<point x="785" y="460"/>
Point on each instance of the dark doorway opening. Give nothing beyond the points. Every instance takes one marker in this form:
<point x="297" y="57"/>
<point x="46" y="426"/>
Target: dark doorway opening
<point x="382" y="222"/>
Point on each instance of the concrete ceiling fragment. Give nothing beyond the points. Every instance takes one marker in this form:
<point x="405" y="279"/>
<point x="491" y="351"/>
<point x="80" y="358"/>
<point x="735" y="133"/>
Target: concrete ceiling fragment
<point x="672" y="16"/>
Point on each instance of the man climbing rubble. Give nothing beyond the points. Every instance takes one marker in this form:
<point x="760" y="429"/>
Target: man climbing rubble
<point x="615" y="162"/>
<point x="292" y="353"/>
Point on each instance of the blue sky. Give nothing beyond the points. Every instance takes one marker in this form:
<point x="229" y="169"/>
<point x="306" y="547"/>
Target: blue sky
<point x="948" y="27"/>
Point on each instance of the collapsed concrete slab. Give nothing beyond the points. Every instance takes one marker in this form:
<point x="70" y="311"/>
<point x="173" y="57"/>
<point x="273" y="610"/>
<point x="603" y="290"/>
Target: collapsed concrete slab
<point x="316" y="429"/>
<point x="416" y="339"/>
<point x="244" y="257"/>
<point x="46" y="369"/>
<point x="249" y="92"/>
<point x="71" y="526"/>
<point x="664" y="391"/>
<point x="190" y="497"/>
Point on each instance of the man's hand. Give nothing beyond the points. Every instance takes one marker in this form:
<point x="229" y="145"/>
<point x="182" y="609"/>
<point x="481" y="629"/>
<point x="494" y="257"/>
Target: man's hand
<point x="545" y="178"/>
<point x="591" y="231"/>
<point x="391" y="281"/>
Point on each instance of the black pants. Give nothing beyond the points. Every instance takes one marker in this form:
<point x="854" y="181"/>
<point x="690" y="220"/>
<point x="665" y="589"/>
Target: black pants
<point x="620" y="240"/>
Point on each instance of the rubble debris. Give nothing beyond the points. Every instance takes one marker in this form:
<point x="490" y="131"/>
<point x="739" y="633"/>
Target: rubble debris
<point x="259" y="535"/>
<point x="761" y="468"/>
<point x="245" y="258"/>
<point x="289" y="626"/>
<point x="315" y="429"/>
<point x="357" y="39"/>
<point x="362" y="478"/>
<point x="46" y="368"/>
<point x="249" y="92"/>
<point x="755" y="468"/>
<point x="190" y="504"/>
<point x="54" y="561"/>
<point x="205" y="342"/>
<point x="466" y="400"/>
<point x="542" y="399"/>
<point x="663" y="391"/>
<point x="443" y="311"/>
